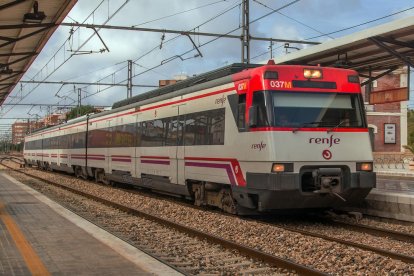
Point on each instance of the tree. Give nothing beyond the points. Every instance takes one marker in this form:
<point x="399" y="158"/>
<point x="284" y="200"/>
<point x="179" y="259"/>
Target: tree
<point x="410" y="126"/>
<point x="80" y="111"/>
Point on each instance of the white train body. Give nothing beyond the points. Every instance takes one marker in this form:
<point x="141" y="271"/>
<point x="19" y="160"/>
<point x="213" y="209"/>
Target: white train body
<point x="218" y="143"/>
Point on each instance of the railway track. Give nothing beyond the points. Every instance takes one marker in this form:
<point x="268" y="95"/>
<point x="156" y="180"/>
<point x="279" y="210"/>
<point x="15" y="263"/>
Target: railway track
<point x="408" y="238"/>
<point x="376" y="231"/>
<point x="360" y="229"/>
<point x="232" y="257"/>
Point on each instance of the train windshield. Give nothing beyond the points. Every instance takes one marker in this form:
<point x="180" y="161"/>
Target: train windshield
<point x="310" y="110"/>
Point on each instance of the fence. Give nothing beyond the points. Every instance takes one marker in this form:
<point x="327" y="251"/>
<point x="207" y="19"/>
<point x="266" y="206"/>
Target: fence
<point x="392" y="160"/>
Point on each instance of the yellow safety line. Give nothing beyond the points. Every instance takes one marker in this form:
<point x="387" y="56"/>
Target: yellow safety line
<point x="33" y="262"/>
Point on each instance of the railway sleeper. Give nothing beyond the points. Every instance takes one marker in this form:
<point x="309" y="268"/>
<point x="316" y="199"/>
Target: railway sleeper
<point x="234" y="265"/>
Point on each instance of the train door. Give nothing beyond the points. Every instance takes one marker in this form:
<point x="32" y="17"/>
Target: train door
<point x="107" y="149"/>
<point x="171" y="131"/>
<point x="180" y="149"/>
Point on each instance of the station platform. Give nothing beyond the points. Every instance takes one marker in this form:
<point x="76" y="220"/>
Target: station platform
<point x="40" y="237"/>
<point x="393" y="197"/>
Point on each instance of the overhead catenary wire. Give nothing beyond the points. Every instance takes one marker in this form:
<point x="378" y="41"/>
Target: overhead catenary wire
<point x="106" y="21"/>
<point x="178" y="13"/>
<point x="345" y="29"/>
<point x="206" y="43"/>
<point x="230" y="7"/>
<point x="293" y="19"/>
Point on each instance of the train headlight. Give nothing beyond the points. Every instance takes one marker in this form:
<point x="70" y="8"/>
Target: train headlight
<point x="282" y="167"/>
<point x="312" y="73"/>
<point x="364" y="166"/>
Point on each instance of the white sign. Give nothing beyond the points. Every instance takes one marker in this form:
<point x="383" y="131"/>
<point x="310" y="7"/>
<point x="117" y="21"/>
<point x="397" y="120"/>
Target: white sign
<point x="389" y="133"/>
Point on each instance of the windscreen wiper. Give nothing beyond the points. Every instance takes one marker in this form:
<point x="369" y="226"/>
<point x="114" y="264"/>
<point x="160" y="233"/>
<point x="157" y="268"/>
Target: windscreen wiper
<point x="339" y="124"/>
<point x="304" y="125"/>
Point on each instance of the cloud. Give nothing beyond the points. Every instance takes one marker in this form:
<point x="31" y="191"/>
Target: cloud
<point x="324" y="16"/>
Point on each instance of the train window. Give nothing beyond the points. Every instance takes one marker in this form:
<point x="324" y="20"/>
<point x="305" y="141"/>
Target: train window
<point x="317" y="110"/>
<point x="64" y="142"/>
<point x="259" y="101"/>
<point x="123" y="136"/>
<point x="54" y="142"/>
<point x="205" y="128"/>
<point x="39" y="144"/>
<point x="217" y="127"/>
<point x="170" y="131"/>
<point x="241" y="112"/>
<point x="152" y="133"/>
<point x="78" y="140"/>
<point x="33" y="145"/>
<point x="189" y="133"/>
<point x="100" y="138"/>
<point x="138" y="134"/>
<point x="46" y="143"/>
<point x="180" y="130"/>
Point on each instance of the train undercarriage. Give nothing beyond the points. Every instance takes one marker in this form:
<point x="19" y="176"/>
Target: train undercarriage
<point x="264" y="193"/>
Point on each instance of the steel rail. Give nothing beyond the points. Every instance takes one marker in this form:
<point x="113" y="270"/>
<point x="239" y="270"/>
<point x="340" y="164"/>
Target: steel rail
<point x="386" y="253"/>
<point x="405" y="237"/>
<point x="247" y="251"/>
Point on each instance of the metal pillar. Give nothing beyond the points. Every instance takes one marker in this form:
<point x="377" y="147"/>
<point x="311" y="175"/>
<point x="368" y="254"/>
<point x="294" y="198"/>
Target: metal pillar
<point x="129" y="82"/>
<point x="368" y="87"/>
<point x="245" y="49"/>
<point x="79" y="97"/>
<point x="271" y="49"/>
<point x="408" y="80"/>
<point x="79" y="100"/>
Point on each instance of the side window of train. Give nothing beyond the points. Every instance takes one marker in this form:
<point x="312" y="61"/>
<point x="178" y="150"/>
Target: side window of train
<point x="152" y="133"/>
<point x="78" y="140"/>
<point x="123" y="136"/>
<point x="205" y="128"/>
<point x="138" y="134"/>
<point x="46" y="143"/>
<point x="64" y="142"/>
<point x="259" y="101"/>
<point x="241" y="112"/>
<point x="170" y="131"/>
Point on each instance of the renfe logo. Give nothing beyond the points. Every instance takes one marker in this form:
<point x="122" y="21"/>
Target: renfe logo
<point x="323" y="141"/>
<point x="221" y="100"/>
<point x="259" y="146"/>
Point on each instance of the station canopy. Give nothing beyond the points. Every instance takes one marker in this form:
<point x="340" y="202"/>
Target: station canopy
<point x="21" y="40"/>
<point x="383" y="49"/>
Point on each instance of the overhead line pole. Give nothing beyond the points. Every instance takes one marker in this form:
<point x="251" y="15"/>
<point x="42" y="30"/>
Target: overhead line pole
<point x="245" y="47"/>
<point x="129" y="82"/>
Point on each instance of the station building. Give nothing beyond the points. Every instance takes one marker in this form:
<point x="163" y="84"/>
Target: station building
<point x="388" y="121"/>
<point x="20" y="129"/>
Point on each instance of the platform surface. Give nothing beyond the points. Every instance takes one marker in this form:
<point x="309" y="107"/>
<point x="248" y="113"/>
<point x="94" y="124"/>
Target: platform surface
<point x="40" y="237"/>
<point x="393" y="196"/>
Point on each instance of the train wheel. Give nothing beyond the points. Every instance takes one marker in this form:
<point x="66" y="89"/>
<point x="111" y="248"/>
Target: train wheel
<point x="198" y="191"/>
<point x="99" y="176"/>
<point x="78" y="172"/>
<point x="227" y="202"/>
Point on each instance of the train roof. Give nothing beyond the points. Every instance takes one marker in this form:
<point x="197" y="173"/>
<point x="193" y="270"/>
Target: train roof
<point x="205" y="77"/>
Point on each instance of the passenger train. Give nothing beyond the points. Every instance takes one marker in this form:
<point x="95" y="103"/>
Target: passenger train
<point x="244" y="138"/>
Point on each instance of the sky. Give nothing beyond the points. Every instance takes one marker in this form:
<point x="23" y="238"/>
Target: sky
<point x="306" y="20"/>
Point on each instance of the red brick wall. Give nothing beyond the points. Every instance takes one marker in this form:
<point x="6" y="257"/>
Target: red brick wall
<point x="387" y="82"/>
<point x="388" y="107"/>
